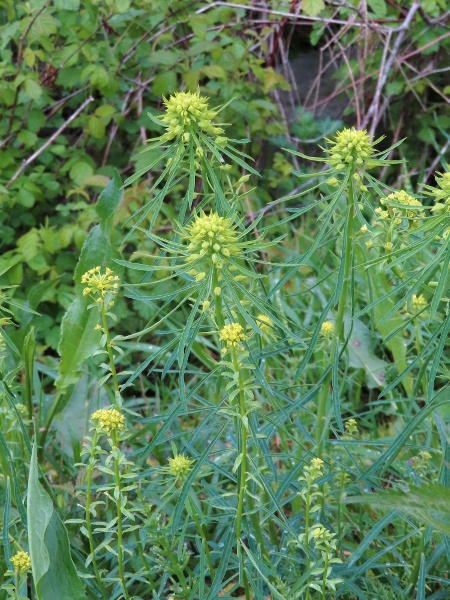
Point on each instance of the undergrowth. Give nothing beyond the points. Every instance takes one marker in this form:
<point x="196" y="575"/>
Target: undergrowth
<point x="279" y="427"/>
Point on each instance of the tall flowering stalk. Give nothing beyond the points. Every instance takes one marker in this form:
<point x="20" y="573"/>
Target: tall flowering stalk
<point x="349" y="156"/>
<point x="102" y="287"/>
<point x="107" y="423"/>
<point x="232" y="336"/>
<point x="21" y="563"/>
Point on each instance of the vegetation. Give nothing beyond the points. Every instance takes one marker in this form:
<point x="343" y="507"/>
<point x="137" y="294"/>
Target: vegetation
<point x="224" y="358"/>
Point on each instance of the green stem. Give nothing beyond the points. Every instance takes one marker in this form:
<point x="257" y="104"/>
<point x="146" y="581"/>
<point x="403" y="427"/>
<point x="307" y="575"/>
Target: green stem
<point x="119" y="517"/>
<point x="308" y="560"/>
<point x="416" y="566"/>
<point x="202" y="532"/>
<point x="339" y="327"/>
<point x="110" y="353"/>
<point x="88" y="517"/>
<point x="143" y="558"/>
<point x="324" y="581"/>
<point x="51" y="416"/>
<point x="419" y="350"/>
<point x="16" y="586"/>
<point x="243" y="471"/>
<point x="217" y="300"/>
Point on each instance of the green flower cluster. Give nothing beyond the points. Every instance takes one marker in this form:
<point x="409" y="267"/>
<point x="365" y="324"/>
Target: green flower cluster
<point x="327" y="329"/>
<point x="109" y="420"/>
<point x="99" y="285"/>
<point x="187" y="113"/>
<point x="21" y="562"/>
<point x="349" y="146"/>
<point x="212" y="239"/>
<point x="180" y="467"/>
<point x="232" y="334"/>
<point x="441" y="194"/>
<point x="408" y="210"/>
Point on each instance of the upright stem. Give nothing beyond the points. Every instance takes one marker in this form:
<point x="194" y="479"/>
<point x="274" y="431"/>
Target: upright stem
<point x="110" y="352"/>
<point x="202" y="532"/>
<point x="324" y="581"/>
<point x="51" y="416"/>
<point x="308" y="560"/>
<point x="119" y="518"/>
<point x="217" y="300"/>
<point x="243" y="471"/>
<point x="88" y="517"/>
<point x="419" y="349"/>
<point x="339" y="327"/>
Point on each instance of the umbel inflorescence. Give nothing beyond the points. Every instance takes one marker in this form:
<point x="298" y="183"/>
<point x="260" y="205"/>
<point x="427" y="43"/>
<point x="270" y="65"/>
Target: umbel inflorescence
<point x="180" y="466"/>
<point x="349" y="146"/>
<point x="233" y="335"/>
<point x="100" y="286"/>
<point x="211" y="238"/>
<point x="409" y="209"/>
<point x="21" y="562"/>
<point x="188" y="113"/>
<point x="441" y="193"/>
<point x="109" y="420"/>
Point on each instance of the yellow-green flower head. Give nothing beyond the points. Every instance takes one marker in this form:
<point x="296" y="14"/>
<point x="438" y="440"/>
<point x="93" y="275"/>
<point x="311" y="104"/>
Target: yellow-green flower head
<point x="211" y="237"/>
<point x="319" y="533"/>
<point x="21" y="562"/>
<point x="265" y="323"/>
<point x="314" y="470"/>
<point x="110" y="420"/>
<point x="419" y="302"/>
<point x="406" y="200"/>
<point x="180" y="466"/>
<point x="425" y="455"/>
<point x="442" y="193"/>
<point x="349" y="146"/>
<point x="327" y="329"/>
<point x="351" y="426"/>
<point x="233" y="334"/>
<point x="187" y="112"/>
<point x="99" y="285"/>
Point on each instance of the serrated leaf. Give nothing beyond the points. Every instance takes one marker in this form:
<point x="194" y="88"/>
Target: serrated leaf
<point x="312" y="8"/>
<point x="165" y="83"/>
<point x="32" y="89"/>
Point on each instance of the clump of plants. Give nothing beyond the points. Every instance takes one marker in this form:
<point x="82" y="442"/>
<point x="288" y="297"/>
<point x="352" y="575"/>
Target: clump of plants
<point x="277" y="428"/>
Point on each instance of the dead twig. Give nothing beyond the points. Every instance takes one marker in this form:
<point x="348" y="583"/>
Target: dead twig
<point x="385" y="69"/>
<point x="50" y="140"/>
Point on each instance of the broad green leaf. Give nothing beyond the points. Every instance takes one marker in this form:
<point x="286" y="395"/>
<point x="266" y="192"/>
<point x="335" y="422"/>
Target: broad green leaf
<point x="32" y="89"/>
<point x="108" y="203"/>
<point x="67" y="4"/>
<point x="54" y="573"/>
<point x="79" y="340"/>
<point x="43" y="26"/>
<point x="312" y="8"/>
<point x="96" y="127"/>
<point x="429" y="504"/>
<point x="165" y="83"/>
<point x="199" y="24"/>
<point x="378" y="7"/>
<point x="213" y="72"/>
<point x="362" y="355"/>
<point x="396" y="344"/>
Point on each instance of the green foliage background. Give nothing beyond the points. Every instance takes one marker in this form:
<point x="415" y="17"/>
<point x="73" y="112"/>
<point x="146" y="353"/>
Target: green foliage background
<point x="77" y="79"/>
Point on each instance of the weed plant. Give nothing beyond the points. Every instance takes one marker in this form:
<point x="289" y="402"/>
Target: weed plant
<point x="285" y="433"/>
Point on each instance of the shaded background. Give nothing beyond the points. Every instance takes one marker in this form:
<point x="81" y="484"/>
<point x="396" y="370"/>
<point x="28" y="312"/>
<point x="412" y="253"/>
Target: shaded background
<point x="77" y="80"/>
